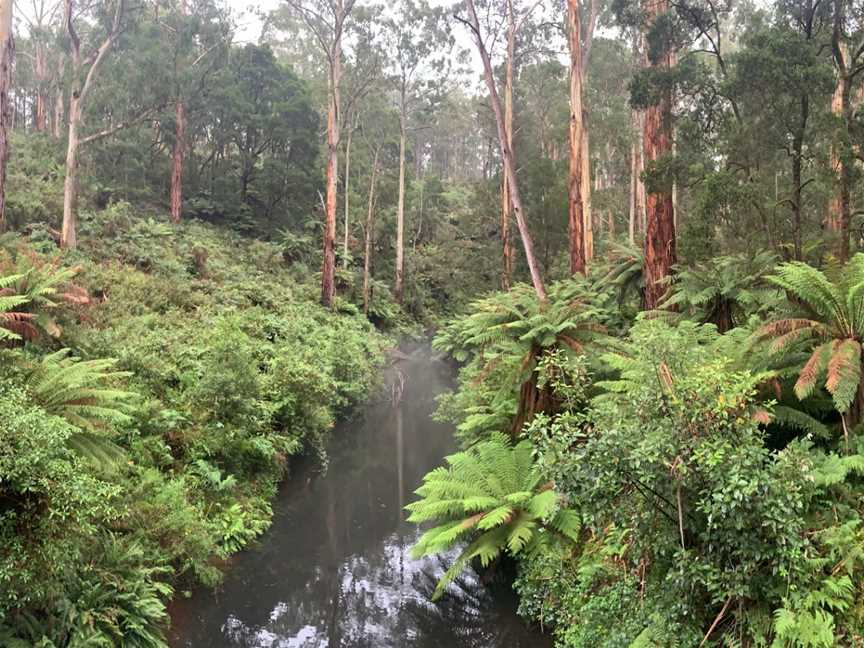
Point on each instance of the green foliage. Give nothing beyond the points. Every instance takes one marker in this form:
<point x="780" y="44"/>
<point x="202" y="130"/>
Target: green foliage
<point x="81" y="391"/>
<point x="210" y="381"/>
<point x="505" y="337"/>
<point x="725" y="291"/>
<point x="831" y="324"/>
<point x="491" y="495"/>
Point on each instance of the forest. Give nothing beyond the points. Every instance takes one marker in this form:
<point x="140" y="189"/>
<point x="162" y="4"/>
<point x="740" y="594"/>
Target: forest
<point x="632" y="232"/>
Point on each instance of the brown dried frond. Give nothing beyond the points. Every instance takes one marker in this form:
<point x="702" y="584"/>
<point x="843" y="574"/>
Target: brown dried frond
<point x="762" y="416"/>
<point x="76" y="295"/>
<point x="20" y="324"/>
<point x="665" y="375"/>
<point x="784" y="326"/>
<point x="810" y="373"/>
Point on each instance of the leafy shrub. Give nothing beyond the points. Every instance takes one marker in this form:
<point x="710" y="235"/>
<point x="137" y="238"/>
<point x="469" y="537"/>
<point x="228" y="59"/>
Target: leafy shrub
<point x="49" y="502"/>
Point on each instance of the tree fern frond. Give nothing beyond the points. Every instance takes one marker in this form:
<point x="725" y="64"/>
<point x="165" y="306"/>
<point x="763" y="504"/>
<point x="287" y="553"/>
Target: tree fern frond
<point x="844" y="372"/>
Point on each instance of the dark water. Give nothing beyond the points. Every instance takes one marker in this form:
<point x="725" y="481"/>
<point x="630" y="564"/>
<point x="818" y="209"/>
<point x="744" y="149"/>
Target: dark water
<point x="335" y="569"/>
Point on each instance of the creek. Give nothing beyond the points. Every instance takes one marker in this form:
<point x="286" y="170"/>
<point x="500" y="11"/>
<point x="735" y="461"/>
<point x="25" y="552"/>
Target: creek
<point x="335" y="569"/>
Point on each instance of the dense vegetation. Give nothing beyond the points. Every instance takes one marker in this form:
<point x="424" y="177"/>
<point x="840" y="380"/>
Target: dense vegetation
<point x="154" y="388"/>
<point x="636" y="225"/>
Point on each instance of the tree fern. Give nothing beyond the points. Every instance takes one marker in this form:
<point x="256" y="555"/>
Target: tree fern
<point x="13" y="322"/>
<point x="831" y="326"/>
<point x="726" y="290"/>
<point x="81" y="391"/>
<point x="41" y="285"/>
<point x="626" y="277"/>
<point x="508" y="333"/>
<point x="492" y="497"/>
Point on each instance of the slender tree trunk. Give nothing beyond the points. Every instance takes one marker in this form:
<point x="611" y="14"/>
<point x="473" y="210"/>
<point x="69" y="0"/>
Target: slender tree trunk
<point x="7" y="52"/>
<point x="328" y="274"/>
<point x="507" y="156"/>
<point x="41" y="75"/>
<point x="59" y="112"/>
<point x="179" y="148"/>
<point x="177" y="162"/>
<point x="797" y="163"/>
<point x="839" y="219"/>
<point x="69" y="233"/>
<point x="660" y="252"/>
<point x="577" y="220"/>
<point x="370" y="227"/>
<point x="587" y="212"/>
<point x="634" y="186"/>
<point x="506" y="200"/>
<point x="347" y="197"/>
<point x="835" y="216"/>
<point x="69" y="230"/>
<point x="399" y="288"/>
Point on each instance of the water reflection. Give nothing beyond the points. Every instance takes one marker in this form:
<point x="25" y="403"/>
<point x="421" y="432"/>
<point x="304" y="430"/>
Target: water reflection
<point x="335" y="569"/>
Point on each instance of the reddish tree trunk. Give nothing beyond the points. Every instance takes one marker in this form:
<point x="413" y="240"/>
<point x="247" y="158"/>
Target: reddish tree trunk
<point x="177" y="163"/>
<point x="577" y="145"/>
<point x="660" y="253"/>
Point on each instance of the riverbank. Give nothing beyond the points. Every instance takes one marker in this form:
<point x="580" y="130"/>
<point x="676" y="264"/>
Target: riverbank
<point x="220" y="366"/>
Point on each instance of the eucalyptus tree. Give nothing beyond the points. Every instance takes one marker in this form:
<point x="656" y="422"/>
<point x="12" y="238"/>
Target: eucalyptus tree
<point x="780" y="96"/>
<point x="105" y="25"/>
<point x="576" y="211"/>
<point x="263" y="113"/>
<point x="198" y="40"/>
<point x="472" y="21"/>
<point x="847" y="45"/>
<point x="327" y="20"/>
<point x="85" y="70"/>
<point x="417" y="43"/>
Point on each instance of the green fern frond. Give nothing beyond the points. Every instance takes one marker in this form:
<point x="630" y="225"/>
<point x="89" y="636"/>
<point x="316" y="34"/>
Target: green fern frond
<point x="492" y="492"/>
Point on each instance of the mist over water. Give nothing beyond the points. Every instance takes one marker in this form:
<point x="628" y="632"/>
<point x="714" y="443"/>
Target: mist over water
<point x="335" y="568"/>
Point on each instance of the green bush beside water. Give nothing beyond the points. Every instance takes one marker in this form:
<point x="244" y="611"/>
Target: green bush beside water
<point x="121" y="482"/>
<point x="714" y="479"/>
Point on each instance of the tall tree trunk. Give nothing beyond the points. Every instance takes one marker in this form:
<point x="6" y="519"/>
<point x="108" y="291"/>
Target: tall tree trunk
<point x="660" y="252"/>
<point x="577" y="220"/>
<point x="797" y="192"/>
<point x="179" y="148"/>
<point x="347" y="197"/>
<point x="328" y="273"/>
<point x="69" y="232"/>
<point x="839" y="219"/>
<point x="41" y="76"/>
<point x="177" y="162"/>
<point x="506" y="200"/>
<point x="506" y="155"/>
<point x="59" y="112"/>
<point x="634" y="187"/>
<point x="587" y="212"/>
<point x="80" y="89"/>
<point x="370" y="227"/>
<point x="7" y="52"/>
<point x="399" y="287"/>
<point x="641" y="192"/>
<point x="834" y="217"/>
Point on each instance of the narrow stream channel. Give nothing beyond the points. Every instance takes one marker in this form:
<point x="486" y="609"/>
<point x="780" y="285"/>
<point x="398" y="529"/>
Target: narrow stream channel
<point x="335" y="569"/>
